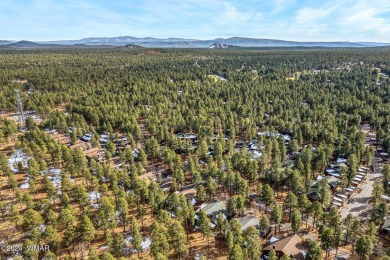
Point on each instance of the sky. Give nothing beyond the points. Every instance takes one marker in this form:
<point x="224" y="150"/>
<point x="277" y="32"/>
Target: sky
<point x="300" y="20"/>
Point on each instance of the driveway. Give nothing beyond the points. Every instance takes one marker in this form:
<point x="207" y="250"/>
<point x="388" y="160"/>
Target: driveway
<point x="360" y="201"/>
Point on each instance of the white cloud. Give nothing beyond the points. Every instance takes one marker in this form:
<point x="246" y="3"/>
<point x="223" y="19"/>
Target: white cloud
<point x="352" y="20"/>
<point x="48" y="20"/>
<point x="366" y="17"/>
<point x="230" y="15"/>
<point x="281" y="5"/>
<point x="199" y="18"/>
<point x="309" y="15"/>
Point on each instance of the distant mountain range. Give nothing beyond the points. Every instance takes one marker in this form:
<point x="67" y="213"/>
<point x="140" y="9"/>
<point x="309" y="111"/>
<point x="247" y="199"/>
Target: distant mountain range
<point x="2" y="42"/>
<point x="49" y="45"/>
<point x="149" y="42"/>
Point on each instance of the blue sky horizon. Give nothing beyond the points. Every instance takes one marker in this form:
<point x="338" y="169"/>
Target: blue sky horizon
<point x="304" y="20"/>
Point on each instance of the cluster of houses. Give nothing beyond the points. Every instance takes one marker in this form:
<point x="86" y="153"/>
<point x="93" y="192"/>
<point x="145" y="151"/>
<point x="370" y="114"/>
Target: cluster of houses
<point x="85" y="146"/>
<point x="382" y="153"/>
<point x="334" y="176"/>
<point x="286" y="137"/>
<point x="86" y="137"/>
<point x="254" y="148"/>
<point x="183" y="136"/>
<point x="104" y="138"/>
<point x="284" y="246"/>
<point x="290" y="245"/>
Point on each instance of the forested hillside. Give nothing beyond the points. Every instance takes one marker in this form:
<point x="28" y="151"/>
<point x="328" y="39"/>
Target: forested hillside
<point x="195" y="154"/>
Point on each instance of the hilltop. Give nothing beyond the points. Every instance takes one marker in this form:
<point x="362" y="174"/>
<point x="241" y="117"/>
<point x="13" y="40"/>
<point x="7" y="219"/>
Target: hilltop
<point x="150" y="42"/>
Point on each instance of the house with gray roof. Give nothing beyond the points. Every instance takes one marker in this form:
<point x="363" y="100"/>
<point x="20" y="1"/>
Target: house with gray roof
<point x="248" y="221"/>
<point x="213" y="208"/>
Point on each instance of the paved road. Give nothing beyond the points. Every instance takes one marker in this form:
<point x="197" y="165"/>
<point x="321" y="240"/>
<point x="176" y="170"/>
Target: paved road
<point x="362" y="199"/>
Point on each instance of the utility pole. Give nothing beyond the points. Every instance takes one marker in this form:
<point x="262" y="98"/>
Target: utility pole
<point x="20" y="107"/>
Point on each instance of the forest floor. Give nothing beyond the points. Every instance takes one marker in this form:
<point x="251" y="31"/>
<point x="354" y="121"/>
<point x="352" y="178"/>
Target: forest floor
<point x="6" y="148"/>
<point x="8" y="115"/>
